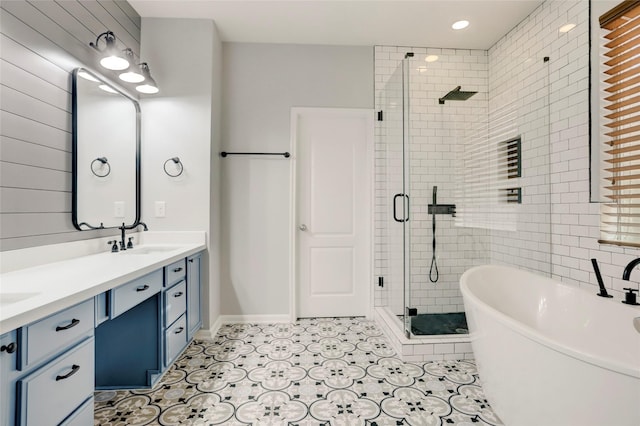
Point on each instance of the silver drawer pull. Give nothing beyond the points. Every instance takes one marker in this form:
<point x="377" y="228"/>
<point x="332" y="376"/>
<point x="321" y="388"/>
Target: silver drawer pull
<point x="177" y="269"/>
<point x="178" y="294"/>
<point x="73" y="323"/>
<point x="142" y="288"/>
<point x="74" y="370"/>
<point x="179" y="330"/>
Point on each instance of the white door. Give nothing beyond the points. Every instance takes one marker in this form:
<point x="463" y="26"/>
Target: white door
<point x="333" y="192"/>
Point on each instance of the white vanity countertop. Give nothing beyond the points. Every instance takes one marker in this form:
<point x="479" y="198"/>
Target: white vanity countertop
<point x="34" y="292"/>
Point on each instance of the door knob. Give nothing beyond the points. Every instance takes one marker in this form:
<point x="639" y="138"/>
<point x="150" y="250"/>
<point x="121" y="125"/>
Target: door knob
<point x="302" y="227"/>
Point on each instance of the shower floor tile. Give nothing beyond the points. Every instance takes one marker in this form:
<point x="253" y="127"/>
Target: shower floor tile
<point x="439" y="324"/>
<point x="327" y="371"/>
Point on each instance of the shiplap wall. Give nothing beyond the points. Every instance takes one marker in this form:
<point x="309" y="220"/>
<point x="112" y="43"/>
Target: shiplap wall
<point x="41" y="43"/>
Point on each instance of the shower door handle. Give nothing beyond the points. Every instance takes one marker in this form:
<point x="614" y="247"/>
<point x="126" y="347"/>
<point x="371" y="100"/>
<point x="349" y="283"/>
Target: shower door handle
<point x="395" y="215"/>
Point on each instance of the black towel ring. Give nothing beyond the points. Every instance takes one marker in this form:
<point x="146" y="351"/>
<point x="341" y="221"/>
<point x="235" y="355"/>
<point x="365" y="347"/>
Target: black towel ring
<point x="103" y="162"/>
<point x="178" y="164"/>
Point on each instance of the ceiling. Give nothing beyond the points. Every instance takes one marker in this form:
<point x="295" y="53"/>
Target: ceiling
<point x="351" y="22"/>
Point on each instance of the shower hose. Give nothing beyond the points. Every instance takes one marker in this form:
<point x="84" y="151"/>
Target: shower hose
<point x="433" y="271"/>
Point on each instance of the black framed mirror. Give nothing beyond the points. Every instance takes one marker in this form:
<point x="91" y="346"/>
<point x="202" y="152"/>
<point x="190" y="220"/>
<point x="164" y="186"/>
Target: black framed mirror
<point x="106" y="154"/>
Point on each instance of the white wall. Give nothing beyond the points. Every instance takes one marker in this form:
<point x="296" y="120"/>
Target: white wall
<point x="261" y="82"/>
<point x="182" y="121"/>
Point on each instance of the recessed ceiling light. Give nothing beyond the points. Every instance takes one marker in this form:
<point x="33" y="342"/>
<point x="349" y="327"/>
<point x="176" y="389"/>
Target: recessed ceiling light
<point x="431" y="58"/>
<point x="566" y="28"/>
<point x="460" y="25"/>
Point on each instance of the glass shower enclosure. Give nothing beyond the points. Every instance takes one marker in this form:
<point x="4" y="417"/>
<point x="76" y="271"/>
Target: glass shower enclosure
<point x="451" y="184"/>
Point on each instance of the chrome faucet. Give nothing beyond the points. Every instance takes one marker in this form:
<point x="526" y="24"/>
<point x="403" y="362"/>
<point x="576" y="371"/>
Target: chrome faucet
<point x="627" y="270"/>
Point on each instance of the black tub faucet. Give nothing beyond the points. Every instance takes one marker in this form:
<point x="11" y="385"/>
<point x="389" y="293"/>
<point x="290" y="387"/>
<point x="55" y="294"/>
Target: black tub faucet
<point x="627" y="270"/>
<point x="630" y="295"/>
<point x="603" y="289"/>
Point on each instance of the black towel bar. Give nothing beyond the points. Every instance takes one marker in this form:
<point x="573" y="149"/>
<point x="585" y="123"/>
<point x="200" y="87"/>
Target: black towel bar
<point x="284" y="154"/>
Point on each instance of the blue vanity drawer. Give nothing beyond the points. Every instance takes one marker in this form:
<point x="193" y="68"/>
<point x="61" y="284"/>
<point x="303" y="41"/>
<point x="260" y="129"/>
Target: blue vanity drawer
<point x="50" y="394"/>
<point x="83" y="416"/>
<point x="175" y="272"/>
<point x="129" y="295"/>
<point x="48" y="336"/>
<point x="175" y="302"/>
<point x="175" y="340"/>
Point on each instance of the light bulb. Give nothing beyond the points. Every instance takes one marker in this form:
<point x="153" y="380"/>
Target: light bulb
<point x="147" y="88"/>
<point x="115" y="63"/>
<point x="131" y="77"/>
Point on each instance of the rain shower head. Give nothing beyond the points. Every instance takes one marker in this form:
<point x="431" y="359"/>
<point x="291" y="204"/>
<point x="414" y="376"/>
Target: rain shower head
<point x="456" y="95"/>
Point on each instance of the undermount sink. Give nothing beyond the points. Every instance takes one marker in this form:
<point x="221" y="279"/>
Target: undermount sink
<point x="11" y="298"/>
<point x="150" y="249"/>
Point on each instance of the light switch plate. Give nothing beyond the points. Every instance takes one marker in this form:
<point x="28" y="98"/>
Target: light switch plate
<point x="160" y="209"/>
<point x="118" y="208"/>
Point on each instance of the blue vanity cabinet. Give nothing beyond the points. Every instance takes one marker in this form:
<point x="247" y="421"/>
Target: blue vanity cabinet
<point x="194" y="312"/>
<point x="182" y="312"/>
<point x="128" y="344"/>
<point x="46" y="369"/>
<point x="175" y="307"/>
<point x="126" y="337"/>
<point x="175" y="331"/>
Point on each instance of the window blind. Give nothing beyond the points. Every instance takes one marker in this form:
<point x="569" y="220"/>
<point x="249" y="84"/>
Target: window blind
<point x="620" y="218"/>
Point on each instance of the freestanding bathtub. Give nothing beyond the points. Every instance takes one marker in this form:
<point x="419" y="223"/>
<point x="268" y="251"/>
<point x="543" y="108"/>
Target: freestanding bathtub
<point x="549" y="354"/>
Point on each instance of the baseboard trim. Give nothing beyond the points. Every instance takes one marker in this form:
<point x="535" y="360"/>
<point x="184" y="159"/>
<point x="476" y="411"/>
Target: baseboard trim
<point x="254" y="319"/>
<point x="210" y="333"/>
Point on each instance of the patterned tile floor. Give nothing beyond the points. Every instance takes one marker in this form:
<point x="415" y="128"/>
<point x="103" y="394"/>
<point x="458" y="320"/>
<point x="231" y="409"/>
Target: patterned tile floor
<point x="339" y="372"/>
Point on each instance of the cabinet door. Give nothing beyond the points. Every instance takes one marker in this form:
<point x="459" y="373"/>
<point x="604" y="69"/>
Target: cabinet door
<point x="194" y="318"/>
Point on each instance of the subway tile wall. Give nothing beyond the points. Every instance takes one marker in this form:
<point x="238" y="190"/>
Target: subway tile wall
<point x="574" y="219"/>
<point x="558" y="227"/>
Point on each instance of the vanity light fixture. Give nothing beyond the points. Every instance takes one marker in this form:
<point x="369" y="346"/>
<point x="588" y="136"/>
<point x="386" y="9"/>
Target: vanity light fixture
<point x="149" y="85"/>
<point x="132" y="73"/>
<point x="459" y="25"/>
<point x="113" y="58"/>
